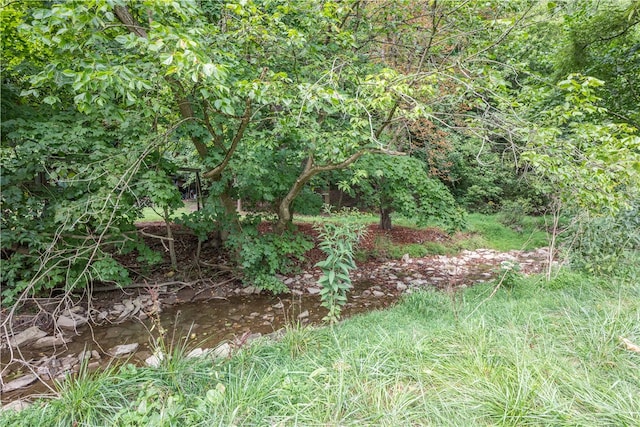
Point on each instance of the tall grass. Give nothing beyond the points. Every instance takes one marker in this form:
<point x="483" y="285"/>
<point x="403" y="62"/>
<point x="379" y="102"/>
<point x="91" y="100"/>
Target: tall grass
<point x="541" y="353"/>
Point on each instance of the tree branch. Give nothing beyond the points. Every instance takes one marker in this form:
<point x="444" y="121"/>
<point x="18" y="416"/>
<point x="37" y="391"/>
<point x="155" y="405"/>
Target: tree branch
<point x="186" y="110"/>
<point x="246" y="118"/>
<point x="129" y="21"/>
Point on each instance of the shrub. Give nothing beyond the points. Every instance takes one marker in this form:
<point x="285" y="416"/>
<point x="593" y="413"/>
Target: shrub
<point x="513" y="212"/>
<point x="263" y="256"/>
<point x="338" y="242"/>
<point x="607" y="243"/>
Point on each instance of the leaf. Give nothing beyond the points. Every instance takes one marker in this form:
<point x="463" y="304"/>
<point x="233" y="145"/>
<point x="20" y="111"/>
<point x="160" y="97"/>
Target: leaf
<point x="332" y="276"/>
<point x="50" y="100"/>
<point x="168" y="60"/>
<point x="122" y="39"/>
<point x="208" y="69"/>
<point x="629" y="345"/>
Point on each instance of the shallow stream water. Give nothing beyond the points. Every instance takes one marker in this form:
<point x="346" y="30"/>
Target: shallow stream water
<point x="200" y="325"/>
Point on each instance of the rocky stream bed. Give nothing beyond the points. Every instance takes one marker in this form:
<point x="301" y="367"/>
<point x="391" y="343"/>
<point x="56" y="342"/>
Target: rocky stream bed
<point x="216" y="320"/>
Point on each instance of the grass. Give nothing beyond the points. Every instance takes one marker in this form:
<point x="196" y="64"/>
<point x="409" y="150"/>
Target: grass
<point x="541" y="353"/>
<point x="150" y="214"/>
<point x="494" y="235"/>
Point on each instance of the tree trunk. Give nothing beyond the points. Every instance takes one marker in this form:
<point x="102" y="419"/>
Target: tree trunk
<point x="385" y="218"/>
<point x="231" y="222"/>
<point x="172" y="249"/>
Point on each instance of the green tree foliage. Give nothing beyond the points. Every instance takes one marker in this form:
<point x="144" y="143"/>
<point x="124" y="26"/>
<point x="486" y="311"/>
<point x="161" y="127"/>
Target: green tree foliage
<point x="592" y="163"/>
<point x="401" y="184"/>
<point x="68" y="198"/>
<point x="103" y="100"/>
<point x="602" y="39"/>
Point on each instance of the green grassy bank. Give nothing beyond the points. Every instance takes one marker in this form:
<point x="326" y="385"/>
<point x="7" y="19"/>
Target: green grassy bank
<point x="541" y="353"/>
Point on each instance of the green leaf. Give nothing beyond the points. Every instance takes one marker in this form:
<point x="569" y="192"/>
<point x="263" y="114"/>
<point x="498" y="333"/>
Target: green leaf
<point x="166" y="59"/>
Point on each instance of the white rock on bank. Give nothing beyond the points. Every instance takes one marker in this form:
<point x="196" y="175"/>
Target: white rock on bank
<point x="71" y="322"/>
<point x="50" y="341"/>
<point x="27" y="336"/>
<point x="222" y="351"/>
<point x="196" y="352"/>
<point x="123" y="349"/>
<point x="19" y="383"/>
<point x="16" y="405"/>
<point x="154" y="360"/>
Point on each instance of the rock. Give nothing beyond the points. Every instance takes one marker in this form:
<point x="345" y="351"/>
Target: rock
<point x="84" y="355"/>
<point x="19" y="383"/>
<point x="129" y="310"/>
<point x="406" y="259"/>
<point x="72" y="322"/>
<point x="222" y="351"/>
<point x="93" y="366"/>
<point x="303" y="315"/>
<point x="278" y="306"/>
<point x="253" y="337"/>
<point x="277" y="335"/>
<point x="155" y="360"/>
<point x="307" y="276"/>
<point x="366" y="293"/>
<point x="378" y="294"/>
<point x="44" y="372"/>
<point x="196" y="352"/>
<point x="50" y="341"/>
<point x="123" y="349"/>
<point x="117" y="308"/>
<point x="27" y="336"/>
<point x="95" y="355"/>
<point x="77" y="309"/>
<point x="296" y="292"/>
<point x="248" y="290"/>
<point x="268" y="317"/>
<point x="401" y="287"/>
<point x="16" y="405"/>
<point x="289" y="281"/>
<point x="313" y="291"/>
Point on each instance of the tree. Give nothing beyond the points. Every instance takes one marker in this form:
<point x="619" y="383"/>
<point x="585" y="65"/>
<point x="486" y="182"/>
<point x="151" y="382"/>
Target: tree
<point x="402" y="185"/>
<point x="592" y="165"/>
<point x="228" y="86"/>
<point x="602" y="39"/>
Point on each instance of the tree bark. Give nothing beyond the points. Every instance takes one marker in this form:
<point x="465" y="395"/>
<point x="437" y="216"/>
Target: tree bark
<point x="172" y="248"/>
<point x="385" y="218"/>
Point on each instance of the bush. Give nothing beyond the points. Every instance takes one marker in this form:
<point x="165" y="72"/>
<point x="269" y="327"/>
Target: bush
<point x="605" y="244"/>
<point x="513" y="212"/>
<point x="263" y="256"/>
<point x="338" y="242"/>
